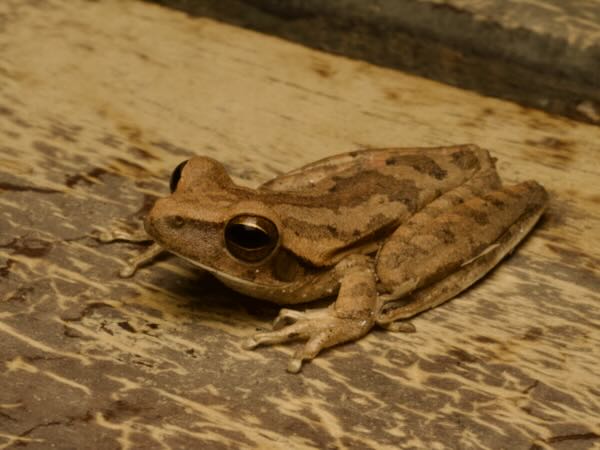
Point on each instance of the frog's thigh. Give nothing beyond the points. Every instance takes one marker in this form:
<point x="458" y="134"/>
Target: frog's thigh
<point x="457" y="248"/>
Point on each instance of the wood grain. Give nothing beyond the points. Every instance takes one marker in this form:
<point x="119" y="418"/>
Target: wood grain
<point x="100" y="100"/>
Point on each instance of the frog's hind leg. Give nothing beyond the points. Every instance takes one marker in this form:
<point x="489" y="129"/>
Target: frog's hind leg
<point x="426" y="265"/>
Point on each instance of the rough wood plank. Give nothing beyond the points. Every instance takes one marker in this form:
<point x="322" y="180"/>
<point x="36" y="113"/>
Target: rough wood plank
<point x="539" y="53"/>
<point x="100" y="100"/>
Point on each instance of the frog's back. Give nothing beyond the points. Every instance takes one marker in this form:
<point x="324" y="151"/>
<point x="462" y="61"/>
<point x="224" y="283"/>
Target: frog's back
<point x="437" y="162"/>
<point x="350" y="202"/>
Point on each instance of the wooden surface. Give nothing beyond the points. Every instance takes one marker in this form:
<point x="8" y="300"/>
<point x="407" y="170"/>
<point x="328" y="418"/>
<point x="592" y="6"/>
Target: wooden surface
<point x="100" y="100"/>
<point x="539" y="53"/>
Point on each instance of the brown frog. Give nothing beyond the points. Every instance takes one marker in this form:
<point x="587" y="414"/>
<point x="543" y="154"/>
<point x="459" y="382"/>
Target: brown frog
<point x="391" y="232"/>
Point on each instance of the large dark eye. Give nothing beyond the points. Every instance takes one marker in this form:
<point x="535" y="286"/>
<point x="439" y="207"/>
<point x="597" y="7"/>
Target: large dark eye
<point x="176" y="175"/>
<point x="251" y="238"/>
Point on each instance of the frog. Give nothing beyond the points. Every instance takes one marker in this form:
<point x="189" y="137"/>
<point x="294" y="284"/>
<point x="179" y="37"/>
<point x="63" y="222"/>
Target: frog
<point x="385" y="233"/>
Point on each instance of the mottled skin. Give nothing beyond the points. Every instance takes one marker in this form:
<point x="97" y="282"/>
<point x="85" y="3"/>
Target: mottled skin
<point x="393" y="232"/>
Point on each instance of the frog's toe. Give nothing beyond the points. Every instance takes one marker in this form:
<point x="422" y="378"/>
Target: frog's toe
<point x="288" y="333"/>
<point x="311" y="349"/>
<point x="250" y="344"/>
<point x="128" y="271"/>
<point x="398" y="326"/>
<point x="107" y="236"/>
<point x="286" y="317"/>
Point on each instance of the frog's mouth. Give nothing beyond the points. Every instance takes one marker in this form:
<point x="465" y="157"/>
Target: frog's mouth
<point x="217" y="273"/>
<point x="283" y="293"/>
<point x="246" y="287"/>
<point x="227" y="279"/>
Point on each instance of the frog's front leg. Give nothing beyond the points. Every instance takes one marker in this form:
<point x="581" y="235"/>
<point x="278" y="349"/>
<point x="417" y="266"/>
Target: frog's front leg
<point x="134" y="263"/>
<point x="349" y="318"/>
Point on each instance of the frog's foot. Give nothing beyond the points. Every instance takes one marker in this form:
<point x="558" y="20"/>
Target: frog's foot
<point x="289" y="316"/>
<point x="107" y="236"/>
<point x="133" y="264"/>
<point x="321" y="329"/>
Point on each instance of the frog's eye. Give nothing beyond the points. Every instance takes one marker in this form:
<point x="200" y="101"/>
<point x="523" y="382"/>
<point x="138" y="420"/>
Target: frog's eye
<point x="251" y="238"/>
<point x="176" y="175"/>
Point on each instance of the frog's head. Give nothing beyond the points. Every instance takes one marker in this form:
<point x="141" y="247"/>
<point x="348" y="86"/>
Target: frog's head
<point x="214" y="223"/>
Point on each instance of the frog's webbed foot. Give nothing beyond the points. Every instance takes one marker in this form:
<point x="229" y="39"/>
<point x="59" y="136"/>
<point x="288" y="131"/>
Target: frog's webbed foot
<point x="349" y="318"/>
<point x="321" y="329"/>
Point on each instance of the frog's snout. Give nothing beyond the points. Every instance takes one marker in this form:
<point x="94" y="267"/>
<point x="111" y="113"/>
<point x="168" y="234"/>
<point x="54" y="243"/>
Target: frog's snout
<point x="165" y="221"/>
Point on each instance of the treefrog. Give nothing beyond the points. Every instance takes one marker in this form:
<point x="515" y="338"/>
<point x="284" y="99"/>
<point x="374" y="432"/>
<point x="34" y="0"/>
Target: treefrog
<point x="389" y="232"/>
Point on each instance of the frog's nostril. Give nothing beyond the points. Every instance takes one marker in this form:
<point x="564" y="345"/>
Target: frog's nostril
<point x="177" y="221"/>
